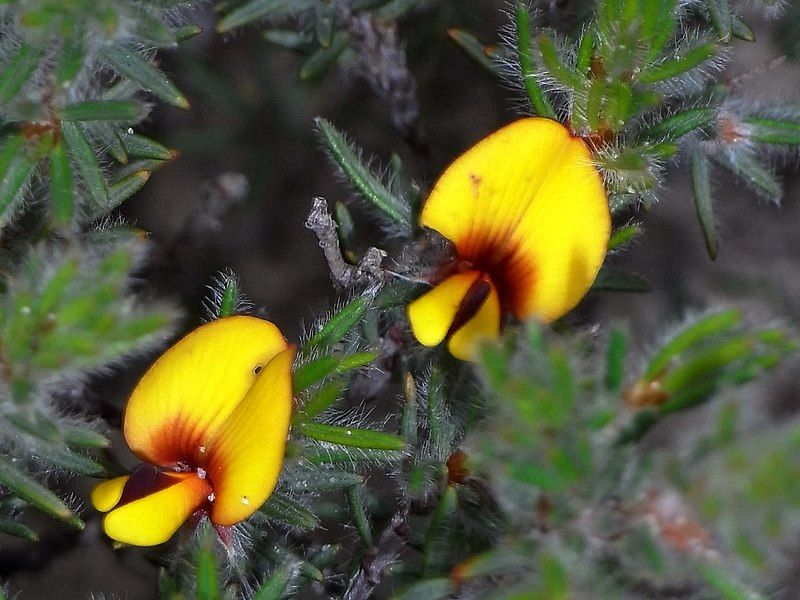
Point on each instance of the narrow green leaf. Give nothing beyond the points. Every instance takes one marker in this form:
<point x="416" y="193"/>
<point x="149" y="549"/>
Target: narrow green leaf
<point x="773" y="131"/>
<point x="187" y="32"/>
<point x="289" y="39"/>
<point x="658" y="24"/>
<point x="493" y="563"/>
<point x="359" y="176"/>
<point x="121" y="190"/>
<point x="744" y="164"/>
<point x="555" y="585"/>
<point x="409" y="425"/>
<point x="83" y="437"/>
<point x="324" y="22"/>
<point x="256" y="10"/>
<point x="167" y="589"/>
<point x="16" y="166"/>
<point x="275" y="587"/>
<point x="284" y="509"/>
<point x="305" y="569"/>
<point x="583" y="60"/>
<point x="207" y="587"/>
<point x="624" y="235"/>
<point x="721" y="17"/>
<point x="678" y="66"/>
<point x="359" y="515"/>
<point x="742" y="30"/>
<point x="676" y="126"/>
<point x="34" y="493"/>
<point x="474" y="49"/>
<point x="131" y="64"/>
<point x="323" y="480"/>
<point x="700" y="368"/>
<point x="18" y="70"/>
<point x="140" y="146"/>
<point x="701" y="186"/>
<point x="320" y="402"/>
<point x="61" y="186"/>
<point x="351" y="436"/>
<point x="83" y="157"/>
<point x="73" y="52"/>
<point x="106" y="134"/>
<point x="228" y="298"/>
<point x="727" y="585"/>
<point x="345" y="228"/>
<point x="563" y="73"/>
<point x="436" y="588"/>
<point x="17" y="529"/>
<point x="64" y="458"/>
<point x="434" y="537"/>
<point x="537" y="476"/>
<point x="320" y="61"/>
<point x="541" y="105"/>
<point x="102" y="110"/>
<point x="615" y="280"/>
<point x="615" y="358"/>
<point x="332" y="332"/>
<point x="697" y="331"/>
<point x="320" y="368"/>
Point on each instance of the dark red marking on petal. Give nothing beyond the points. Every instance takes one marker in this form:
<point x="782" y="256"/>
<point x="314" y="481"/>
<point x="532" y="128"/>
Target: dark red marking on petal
<point x="512" y="272"/>
<point x="473" y="300"/>
<point x="145" y="480"/>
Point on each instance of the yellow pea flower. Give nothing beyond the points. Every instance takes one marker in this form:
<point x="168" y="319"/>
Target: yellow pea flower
<point x="210" y="419"/>
<point x="527" y="212"/>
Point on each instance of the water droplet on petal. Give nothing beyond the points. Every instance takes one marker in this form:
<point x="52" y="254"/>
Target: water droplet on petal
<point x="245" y="500"/>
<point x="201" y="472"/>
<point x="212" y="497"/>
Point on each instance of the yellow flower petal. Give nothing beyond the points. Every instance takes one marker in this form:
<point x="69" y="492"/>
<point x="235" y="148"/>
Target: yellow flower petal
<point x="154" y="518"/>
<point x="484" y="325"/>
<point x="105" y="495"/>
<point x="432" y="314"/>
<point x="247" y="453"/>
<point x="528" y="206"/>
<point x="184" y="398"/>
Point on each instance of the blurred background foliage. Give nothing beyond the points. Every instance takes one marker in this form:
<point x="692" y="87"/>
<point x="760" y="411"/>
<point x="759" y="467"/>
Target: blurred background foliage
<point x="647" y="457"/>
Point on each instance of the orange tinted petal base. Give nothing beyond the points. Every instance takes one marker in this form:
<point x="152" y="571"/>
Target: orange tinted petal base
<point x="184" y="398"/>
<point x="246" y="456"/>
<point x="527" y="206"/>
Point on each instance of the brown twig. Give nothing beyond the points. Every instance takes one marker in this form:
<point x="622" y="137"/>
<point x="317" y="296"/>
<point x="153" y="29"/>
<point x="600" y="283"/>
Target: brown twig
<point x="367" y="272"/>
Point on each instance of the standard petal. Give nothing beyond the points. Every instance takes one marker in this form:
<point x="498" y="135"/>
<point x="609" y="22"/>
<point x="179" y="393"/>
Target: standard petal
<point x="182" y="400"/>
<point x="105" y="495"/>
<point x="484" y="325"/>
<point x="528" y="206"/>
<point x="154" y="518"/>
<point x="431" y="315"/>
<point x="246" y="456"/>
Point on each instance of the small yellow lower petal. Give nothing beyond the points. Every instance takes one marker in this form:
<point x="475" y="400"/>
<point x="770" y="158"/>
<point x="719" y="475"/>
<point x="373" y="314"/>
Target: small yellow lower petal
<point x="154" y="518"/>
<point x="246" y="456"/>
<point x="432" y="314"/>
<point x="105" y="495"/>
<point x="465" y="342"/>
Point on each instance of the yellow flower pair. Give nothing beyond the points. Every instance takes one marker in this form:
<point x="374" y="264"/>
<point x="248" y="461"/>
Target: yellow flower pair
<point x="527" y="213"/>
